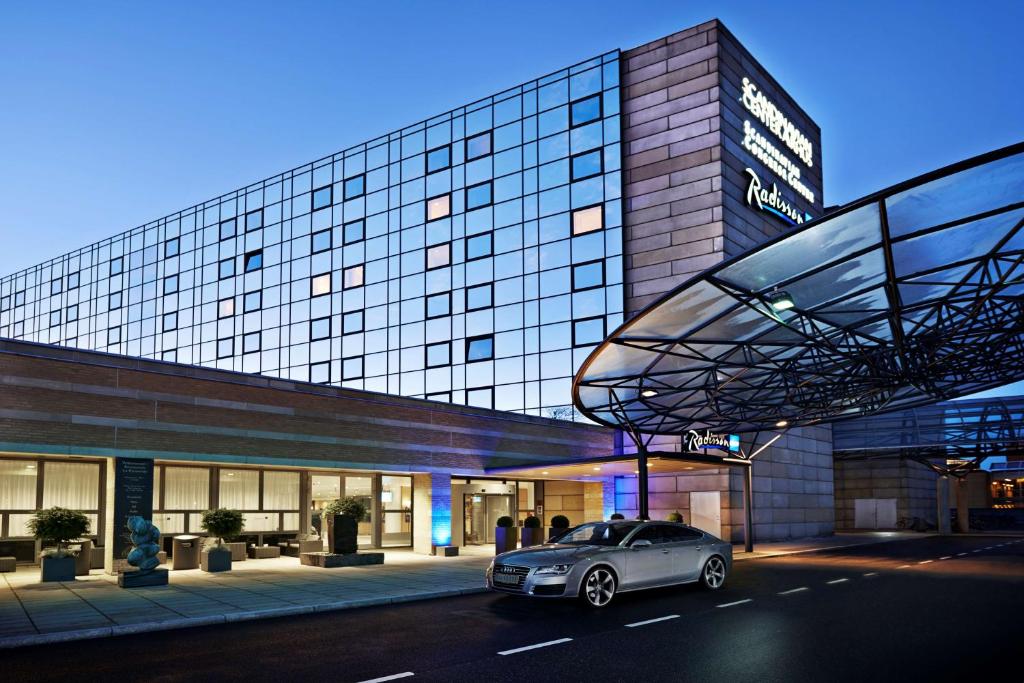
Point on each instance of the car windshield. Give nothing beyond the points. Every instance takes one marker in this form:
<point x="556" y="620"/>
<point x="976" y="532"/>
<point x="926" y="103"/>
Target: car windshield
<point x="597" y="533"/>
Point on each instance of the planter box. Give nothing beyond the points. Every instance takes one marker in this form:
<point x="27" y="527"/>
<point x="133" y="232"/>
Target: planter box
<point x="216" y="560"/>
<point x="343" y="535"/>
<point x="157" y="577"/>
<point x="57" y="568"/>
<point x="327" y="560"/>
<point x="505" y="539"/>
<point x="237" y="551"/>
<point x="532" y="537"/>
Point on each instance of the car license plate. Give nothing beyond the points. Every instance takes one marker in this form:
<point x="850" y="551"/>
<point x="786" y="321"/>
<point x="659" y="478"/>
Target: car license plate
<point x="507" y="579"/>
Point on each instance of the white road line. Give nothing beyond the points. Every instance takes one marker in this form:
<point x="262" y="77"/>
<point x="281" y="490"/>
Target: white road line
<point x="869" y="574"/>
<point x="394" y="677"/>
<point x="960" y="554"/>
<point x="976" y="551"/>
<point x="835" y="581"/>
<point x="925" y="561"/>
<point x="903" y="566"/>
<point x="733" y="604"/>
<point x="534" y="647"/>
<point x="652" y="621"/>
<point x="947" y="557"/>
<point x="988" y="548"/>
<point x="795" y="590"/>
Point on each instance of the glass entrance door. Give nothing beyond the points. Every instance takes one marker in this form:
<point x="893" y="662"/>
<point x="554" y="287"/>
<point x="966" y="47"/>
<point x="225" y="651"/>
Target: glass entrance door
<point x="482" y="511"/>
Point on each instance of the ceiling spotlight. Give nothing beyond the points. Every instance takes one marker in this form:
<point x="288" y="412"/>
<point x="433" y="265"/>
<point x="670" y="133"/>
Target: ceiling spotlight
<point x="597" y="469"/>
<point x="648" y="393"/>
<point x="544" y="472"/>
<point x="782" y="423"/>
<point x="780" y="299"/>
<point x="687" y="468"/>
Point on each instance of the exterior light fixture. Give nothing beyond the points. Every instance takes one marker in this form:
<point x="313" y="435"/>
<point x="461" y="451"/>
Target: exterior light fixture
<point x="544" y="472"/>
<point x="648" y="393"/>
<point x="597" y="469"/>
<point x="780" y="299"/>
<point x="782" y="423"/>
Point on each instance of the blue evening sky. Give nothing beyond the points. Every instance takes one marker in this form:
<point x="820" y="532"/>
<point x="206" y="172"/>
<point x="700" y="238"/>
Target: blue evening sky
<point x="113" y="114"/>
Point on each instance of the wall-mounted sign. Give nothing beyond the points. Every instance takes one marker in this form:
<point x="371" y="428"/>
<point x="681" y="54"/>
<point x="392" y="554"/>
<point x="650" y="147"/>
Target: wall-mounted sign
<point x="772" y="200"/>
<point x="765" y="111"/>
<point x="769" y="155"/>
<point x="697" y="442"/>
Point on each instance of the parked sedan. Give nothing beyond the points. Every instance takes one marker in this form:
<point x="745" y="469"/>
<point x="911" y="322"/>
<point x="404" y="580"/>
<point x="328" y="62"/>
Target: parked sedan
<point x="595" y="561"/>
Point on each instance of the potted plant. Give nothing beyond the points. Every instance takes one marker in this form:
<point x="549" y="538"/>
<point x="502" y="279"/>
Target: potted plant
<point x="220" y="523"/>
<point x="61" y="526"/>
<point x="559" y="523"/>
<point x="674" y="517"/>
<point x="505" y="535"/>
<point x="533" y="534"/>
<point x="343" y="516"/>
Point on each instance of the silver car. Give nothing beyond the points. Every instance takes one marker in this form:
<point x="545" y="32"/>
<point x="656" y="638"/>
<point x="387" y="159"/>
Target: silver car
<point x="595" y="561"/>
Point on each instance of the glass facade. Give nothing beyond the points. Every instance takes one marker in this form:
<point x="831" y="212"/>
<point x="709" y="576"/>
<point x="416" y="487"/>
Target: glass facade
<point x="475" y="257"/>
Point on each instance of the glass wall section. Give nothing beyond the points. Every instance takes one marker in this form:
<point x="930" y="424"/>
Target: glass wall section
<point x="396" y="511"/>
<point x="469" y="225"/>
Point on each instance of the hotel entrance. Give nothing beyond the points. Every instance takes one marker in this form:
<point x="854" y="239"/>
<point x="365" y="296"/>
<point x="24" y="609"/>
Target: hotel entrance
<point x="482" y="511"/>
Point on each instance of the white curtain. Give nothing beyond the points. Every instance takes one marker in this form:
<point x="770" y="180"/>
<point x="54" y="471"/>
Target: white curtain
<point x="186" y="488"/>
<point x="74" y="485"/>
<point x="240" y="489"/>
<point x="17" y="485"/>
<point x="281" y="491"/>
<point x="156" y="487"/>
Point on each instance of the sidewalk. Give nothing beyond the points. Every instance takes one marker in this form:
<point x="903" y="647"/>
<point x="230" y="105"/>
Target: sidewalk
<point x="32" y="613"/>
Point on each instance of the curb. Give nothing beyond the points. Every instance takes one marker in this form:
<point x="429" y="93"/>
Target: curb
<point x="783" y="553"/>
<point x="11" y="642"/>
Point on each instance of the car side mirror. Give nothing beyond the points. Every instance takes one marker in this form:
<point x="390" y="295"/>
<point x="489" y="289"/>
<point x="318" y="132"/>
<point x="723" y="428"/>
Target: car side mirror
<point x="640" y="544"/>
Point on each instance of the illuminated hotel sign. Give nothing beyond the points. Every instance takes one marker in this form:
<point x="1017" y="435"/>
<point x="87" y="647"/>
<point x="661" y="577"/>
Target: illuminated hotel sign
<point x="772" y="201"/>
<point x="697" y="442"/>
<point x="767" y="113"/>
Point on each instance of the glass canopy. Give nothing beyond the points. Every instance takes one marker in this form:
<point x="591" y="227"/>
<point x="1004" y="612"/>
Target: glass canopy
<point x="907" y="297"/>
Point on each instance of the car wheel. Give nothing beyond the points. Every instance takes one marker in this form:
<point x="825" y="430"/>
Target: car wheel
<point x="598" y="587"/>
<point x="713" y="576"/>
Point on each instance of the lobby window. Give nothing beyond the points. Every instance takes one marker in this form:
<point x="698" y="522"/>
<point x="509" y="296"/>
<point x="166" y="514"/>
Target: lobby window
<point x="439" y="158"/>
<point x="170" y="322"/>
<point x="323" y="197"/>
<point x="478" y="146"/>
<point x="54" y="318"/>
<point x="480" y="348"/>
<point x="478" y="195"/>
<point x="114" y="335"/>
<point x="254" y="261"/>
<point x="481" y="296"/>
<point x="588" y="331"/>
<point x="56" y="286"/>
<point x="254" y="220"/>
<point x="482" y="397"/>
<point x="353" y="232"/>
<point x="320" y="241"/>
<point x="226" y="308"/>
<point x="439" y="354"/>
<point x="439" y="256"/>
<point x="587" y="219"/>
<point x="587" y="165"/>
<point x="171" y="247"/>
<point x="251" y="342"/>
<point x="239" y="489"/>
<point x="170" y="284"/>
<point x="72" y="313"/>
<point x="352" y="322"/>
<point x="319" y="329"/>
<point x="439" y="207"/>
<point x="585" y="110"/>
<point x="117" y="265"/>
<point x="227" y="229"/>
<point x="225" y="347"/>
<point x="320" y="285"/>
<point x="587" y="275"/>
<point x="226" y="268"/>
<point x="114" y="301"/>
<point x="73" y="280"/>
<point x="352" y="277"/>
<point x="478" y="246"/>
<point x="439" y="305"/>
<point x="320" y="373"/>
<point x="186" y="488"/>
<point x="355" y="186"/>
<point x="352" y="368"/>
<point x="252" y="301"/>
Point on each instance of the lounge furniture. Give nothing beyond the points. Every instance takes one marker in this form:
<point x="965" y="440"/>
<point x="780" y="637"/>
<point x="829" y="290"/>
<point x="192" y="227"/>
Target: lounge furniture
<point x="83" y="561"/>
<point x="237" y="551"/>
<point x="264" y="552"/>
<point x="8" y="564"/>
<point x="294" y="547"/>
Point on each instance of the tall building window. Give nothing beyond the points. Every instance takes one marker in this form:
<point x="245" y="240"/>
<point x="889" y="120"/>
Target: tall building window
<point x="56" y="286"/>
<point x="584" y="111"/>
<point x="72" y="313"/>
<point x="319" y="329"/>
<point x="352" y="322"/>
<point x="73" y="280"/>
<point x="478" y="146"/>
<point x="478" y="246"/>
<point x="478" y="195"/>
<point x="587" y="165"/>
<point x="170" y="284"/>
<point x="480" y="348"/>
<point x="439" y="354"/>
<point x="54" y="318"/>
<point x="480" y="397"/>
<point x="439" y="305"/>
<point x="320" y="373"/>
<point x="320" y="241"/>
<point x="252" y="301"/>
<point x="225" y="347"/>
<point x="352" y="368"/>
<point x="320" y="284"/>
<point x="114" y="301"/>
<point x="478" y="297"/>
<point x="117" y="265"/>
<point x="254" y="220"/>
<point x="353" y="232"/>
<point x="322" y="197"/>
<point x="439" y="207"/>
<point x="442" y="396"/>
<point x="5" y="303"/>
<point x="355" y="186"/>
<point x="226" y="308"/>
<point x="587" y="219"/>
<point x="439" y="158"/>
<point x="171" y="247"/>
<point x="227" y="229"/>
<point x="587" y="275"/>
<point x="251" y="342"/>
<point x="19" y="298"/>
<point x="352" y="277"/>
<point x="113" y="335"/>
<point x="170" y="322"/>
<point x="439" y="256"/>
<point x="226" y="268"/>
<point x="170" y="356"/>
<point x="254" y="261"/>
<point x="588" y="331"/>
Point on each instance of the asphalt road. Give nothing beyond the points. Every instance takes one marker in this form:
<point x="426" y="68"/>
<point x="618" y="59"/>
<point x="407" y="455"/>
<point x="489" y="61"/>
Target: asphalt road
<point x="930" y="609"/>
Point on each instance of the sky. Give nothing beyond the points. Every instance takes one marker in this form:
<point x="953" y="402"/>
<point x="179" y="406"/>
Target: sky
<point x="114" y="114"/>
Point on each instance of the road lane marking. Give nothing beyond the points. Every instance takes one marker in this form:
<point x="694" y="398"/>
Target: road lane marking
<point x="652" y="621"/>
<point x="795" y="590"/>
<point x="988" y="548"/>
<point x="960" y="554"/>
<point x="903" y="566"/>
<point x="976" y="551"/>
<point x="947" y="557"/>
<point x="534" y="647"/>
<point x="733" y="604"/>
<point x="394" y="677"/>
<point x="835" y="581"/>
<point x="925" y="561"/>
<point x="870" y="574"/>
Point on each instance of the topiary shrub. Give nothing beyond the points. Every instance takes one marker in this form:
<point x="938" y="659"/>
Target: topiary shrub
<point x="617" y="516"/>
<point x="343" y="536"/>
<point x="505" y="522"/>
<point x="559" y="522"/>
<point x="59" y="525"/>
<point x="350" y="506"/>
<point x="222" y="523"/>
<point x="531" y="522"/>
<point x="674" y="517"/>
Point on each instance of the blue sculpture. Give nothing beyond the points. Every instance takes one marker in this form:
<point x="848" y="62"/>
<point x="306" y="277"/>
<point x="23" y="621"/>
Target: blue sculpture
<point x="145" y="537"/>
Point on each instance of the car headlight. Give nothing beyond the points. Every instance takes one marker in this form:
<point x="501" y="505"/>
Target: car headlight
<point x="556" y="569"/>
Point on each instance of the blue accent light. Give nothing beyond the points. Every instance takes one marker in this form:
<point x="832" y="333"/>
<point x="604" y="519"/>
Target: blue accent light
<point x="734" y="443"/>
<point x="440" y="510"/>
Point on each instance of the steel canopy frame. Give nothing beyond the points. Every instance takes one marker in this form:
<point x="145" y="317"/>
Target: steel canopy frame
<point x="910" y="296"/>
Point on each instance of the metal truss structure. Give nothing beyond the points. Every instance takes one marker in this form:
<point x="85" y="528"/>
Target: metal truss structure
<point x="908" y="297"/>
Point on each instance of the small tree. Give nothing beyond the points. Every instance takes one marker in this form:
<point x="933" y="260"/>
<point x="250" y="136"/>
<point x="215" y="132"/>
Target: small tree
<point x="343" y="537"/>
<point x="349" y="506"/>
<point x="505" y="522"/>
<point x="559" y="522"/>
<point x="531" y="522"/>
<point x="59" y="525"/>
<point x="674" y="517"/>
<point x="223" y="523"/>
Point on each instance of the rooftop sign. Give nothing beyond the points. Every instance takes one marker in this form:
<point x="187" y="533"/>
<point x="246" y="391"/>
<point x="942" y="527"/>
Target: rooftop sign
<point x="763" y="109"/>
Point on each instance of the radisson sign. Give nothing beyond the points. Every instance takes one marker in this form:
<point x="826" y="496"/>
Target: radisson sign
<point x="698" y="442"/>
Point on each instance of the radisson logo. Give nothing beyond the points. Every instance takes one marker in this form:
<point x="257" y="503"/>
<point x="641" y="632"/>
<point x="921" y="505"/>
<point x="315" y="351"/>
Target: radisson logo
<point x="695" y="441"/>
<point x="772" y="201"/>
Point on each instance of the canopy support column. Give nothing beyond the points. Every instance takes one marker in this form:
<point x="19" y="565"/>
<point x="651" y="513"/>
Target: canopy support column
<point x="641" y="488"/>
<point x="748" y="508"/>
